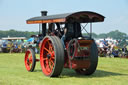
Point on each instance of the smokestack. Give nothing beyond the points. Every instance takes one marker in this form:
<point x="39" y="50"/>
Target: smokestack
<point x="44" y="13"/>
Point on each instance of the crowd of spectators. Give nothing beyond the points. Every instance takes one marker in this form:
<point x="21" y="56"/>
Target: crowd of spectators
<point x="9" y="46"/>
<point x="108" y="48"/>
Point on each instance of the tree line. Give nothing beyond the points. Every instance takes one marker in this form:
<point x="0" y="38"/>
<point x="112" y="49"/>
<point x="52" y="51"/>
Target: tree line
<point x="113" y="34"/>
<point x="14" y="33"/>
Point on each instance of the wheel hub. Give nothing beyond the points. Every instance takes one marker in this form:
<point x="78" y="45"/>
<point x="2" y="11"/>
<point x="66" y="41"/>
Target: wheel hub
<point x="27" y="60"/>
<point x="48" y="56"/>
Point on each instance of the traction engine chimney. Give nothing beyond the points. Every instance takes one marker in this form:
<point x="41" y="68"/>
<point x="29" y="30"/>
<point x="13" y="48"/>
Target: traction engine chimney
<point x="44" y="13"/>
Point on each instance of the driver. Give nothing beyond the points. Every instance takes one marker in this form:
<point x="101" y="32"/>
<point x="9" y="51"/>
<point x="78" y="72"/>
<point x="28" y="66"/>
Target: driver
<point x="69" y="34"/>
<point x="63" y="37"/>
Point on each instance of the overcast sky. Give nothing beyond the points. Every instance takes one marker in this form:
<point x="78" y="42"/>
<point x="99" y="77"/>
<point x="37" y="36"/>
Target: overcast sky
<point x="14" y="13"/>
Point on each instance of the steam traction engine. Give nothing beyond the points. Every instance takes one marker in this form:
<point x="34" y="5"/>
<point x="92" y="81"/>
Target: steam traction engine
<point x="79" y="52"/>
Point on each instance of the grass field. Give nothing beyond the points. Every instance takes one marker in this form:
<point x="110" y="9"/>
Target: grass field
<point x="110" y="71"/>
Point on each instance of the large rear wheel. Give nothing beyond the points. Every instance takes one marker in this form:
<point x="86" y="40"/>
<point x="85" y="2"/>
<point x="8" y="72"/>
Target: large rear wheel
<point x="93" y="61"/>
<point x="51" y="56"/>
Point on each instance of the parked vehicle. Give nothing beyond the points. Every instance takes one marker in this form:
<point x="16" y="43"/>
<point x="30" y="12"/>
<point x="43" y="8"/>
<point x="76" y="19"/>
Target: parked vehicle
<point x="76" y="52"/>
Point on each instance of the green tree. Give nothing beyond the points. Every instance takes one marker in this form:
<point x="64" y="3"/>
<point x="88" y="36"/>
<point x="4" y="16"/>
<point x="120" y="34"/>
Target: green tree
<point x="116" y="35"/>
<point x="14" y="33"/>
<point x="102" y="35"/>
<point x="94" y="35"/>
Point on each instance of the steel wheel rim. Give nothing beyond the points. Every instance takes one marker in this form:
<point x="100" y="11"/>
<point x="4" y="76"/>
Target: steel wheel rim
<point x="28" y="60"/>
<point x="47" y="57"/>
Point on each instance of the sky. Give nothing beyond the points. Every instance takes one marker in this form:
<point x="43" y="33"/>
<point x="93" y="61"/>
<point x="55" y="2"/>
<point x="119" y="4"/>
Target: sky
<point x="14" y="13"/>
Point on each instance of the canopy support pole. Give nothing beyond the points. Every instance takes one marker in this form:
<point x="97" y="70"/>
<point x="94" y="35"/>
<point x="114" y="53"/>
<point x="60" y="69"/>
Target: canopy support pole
<point x="90" y="30"/>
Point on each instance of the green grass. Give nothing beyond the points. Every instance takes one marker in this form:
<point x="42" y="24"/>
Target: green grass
<point x="110" y="71"/>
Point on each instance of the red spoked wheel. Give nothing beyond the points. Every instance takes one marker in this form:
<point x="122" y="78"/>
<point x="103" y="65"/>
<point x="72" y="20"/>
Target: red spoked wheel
<point x="30" y="60"/>
<point x="93" y="61"/>
<point x="51" y="56"/>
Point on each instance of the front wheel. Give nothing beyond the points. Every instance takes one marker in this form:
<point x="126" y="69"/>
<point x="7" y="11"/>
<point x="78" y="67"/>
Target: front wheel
<point x="30" y="60"/>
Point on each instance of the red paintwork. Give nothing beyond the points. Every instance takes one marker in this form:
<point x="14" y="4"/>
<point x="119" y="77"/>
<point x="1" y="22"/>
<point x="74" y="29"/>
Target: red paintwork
<point x="47" y="64"/>
<point x="81" y="53"/>
<point x="28" y="60"/>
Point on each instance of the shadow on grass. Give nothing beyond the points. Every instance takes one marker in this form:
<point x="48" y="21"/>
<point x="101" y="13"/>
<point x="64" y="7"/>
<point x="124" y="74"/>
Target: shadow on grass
<point x="37" y="70"/>
<point x="98" y="73"/>
<point x="67" y="73"/>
